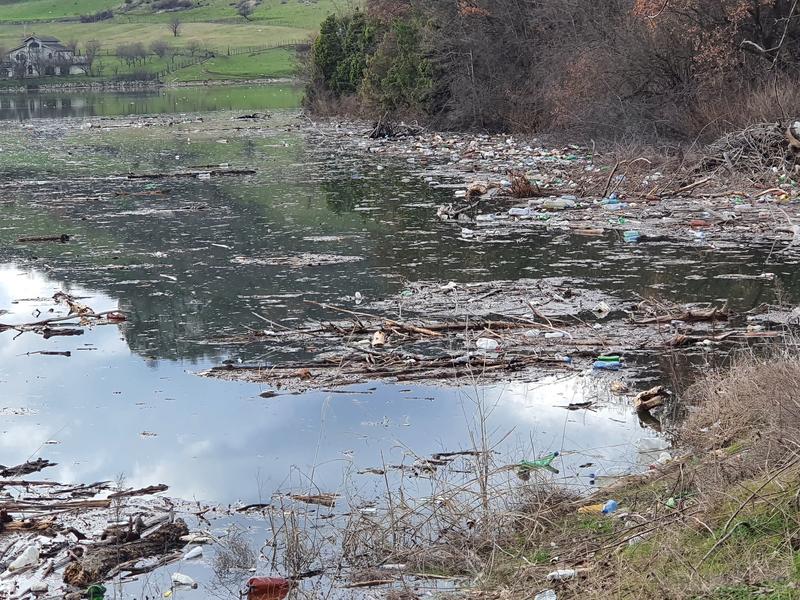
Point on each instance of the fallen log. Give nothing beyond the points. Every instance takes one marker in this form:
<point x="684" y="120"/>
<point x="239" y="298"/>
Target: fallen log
<point x="63" y="238"/>
<point x="20" y="505"/>
<point x="218" y="172"/>
<point x="689" y="316"/>
<point x="152" y="489"/>
<point x="97" y="564"/>
<point x="650" y="399"/>
<point x="26" y="468"/>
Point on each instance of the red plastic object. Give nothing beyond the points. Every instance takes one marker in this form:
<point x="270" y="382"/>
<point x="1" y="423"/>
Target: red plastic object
<point x="699" y="223"/>
<point x="268" y="588"/>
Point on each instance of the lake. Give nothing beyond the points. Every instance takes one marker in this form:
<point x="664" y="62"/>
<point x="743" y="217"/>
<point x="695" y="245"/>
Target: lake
<point x="127" y="399"/>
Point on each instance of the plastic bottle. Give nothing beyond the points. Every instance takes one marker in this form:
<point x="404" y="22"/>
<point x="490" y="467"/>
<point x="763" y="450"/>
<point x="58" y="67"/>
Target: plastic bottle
<point x="195" y="552"/>
<point x="558" y="203"/>
<point x="612" y="199"/>
<point x="610" y="358"/>
<point x="554" y="334"/>
<point x="610" y="506"/>
<point x="487" y="344"/>
<point x="519" y="211"/>
<point x="96" y="592"/>
<point x="28" y="558"/>
<point x="602" y="365"/>
<point x="562" y="575"/>
<point x="539" y="463"/>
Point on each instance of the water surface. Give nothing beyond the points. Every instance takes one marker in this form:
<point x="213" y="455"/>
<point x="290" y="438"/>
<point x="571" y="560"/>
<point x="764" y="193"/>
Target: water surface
<point x="188" y="260"/>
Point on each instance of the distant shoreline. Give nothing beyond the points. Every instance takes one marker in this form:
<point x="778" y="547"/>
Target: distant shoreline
<point x="121" y="86"/>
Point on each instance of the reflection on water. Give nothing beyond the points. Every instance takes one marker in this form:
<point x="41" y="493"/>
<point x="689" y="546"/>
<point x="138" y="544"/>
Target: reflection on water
<point x="170" y="254"/>
<point x="46" y="105"/>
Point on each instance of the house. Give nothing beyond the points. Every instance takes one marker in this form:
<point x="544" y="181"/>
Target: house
<point x="40" y="56"/>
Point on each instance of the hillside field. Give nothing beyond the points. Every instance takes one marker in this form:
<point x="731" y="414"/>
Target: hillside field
<point x="242" y="48"/>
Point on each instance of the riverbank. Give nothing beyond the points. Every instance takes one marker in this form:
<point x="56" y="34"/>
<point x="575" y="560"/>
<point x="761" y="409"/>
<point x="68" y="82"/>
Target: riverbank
<point x="718" y="520"/>
<point x="129" y="86"/>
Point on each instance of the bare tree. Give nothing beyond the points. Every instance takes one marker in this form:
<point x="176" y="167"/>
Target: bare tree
<point x="72" y="46"/>
<point x="90" y="51"/>
<point x="132" y="53"/>
<point x="195" y="47"/>
<point x="175" y="26"/>
<point x="161" y="48"/>
<point x="245" y="8"/>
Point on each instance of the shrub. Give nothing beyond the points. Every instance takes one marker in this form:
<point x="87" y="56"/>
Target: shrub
<point x="102" y="15"/>
<point x="172" y="4"/>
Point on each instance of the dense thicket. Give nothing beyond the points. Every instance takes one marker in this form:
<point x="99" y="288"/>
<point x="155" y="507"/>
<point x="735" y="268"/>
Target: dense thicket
<point x="671" y="68"/>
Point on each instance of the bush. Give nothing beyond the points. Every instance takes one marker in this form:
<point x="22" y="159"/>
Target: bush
<point x="615" y="69"/>
<point x="102" y="15"/>
<point x="138" y="75"/>
<point x="172" y="4"/>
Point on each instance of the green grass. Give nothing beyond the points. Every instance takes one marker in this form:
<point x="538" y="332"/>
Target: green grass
<point x="214" y="24"/>
<point x="306" y="14"/>
<point x="213" y="35"/>
<point x="42" y="10"/>
<point x="279" y="62"/>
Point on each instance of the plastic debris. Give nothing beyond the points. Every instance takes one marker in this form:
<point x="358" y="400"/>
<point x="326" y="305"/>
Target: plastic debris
<point x="96" y="592"/>
<point x="591" y="509"/>
<point x="603" y="365"/>
<point x="562" y="575"/>
<point x="185" y="580"/>
<point x="487" y="344"/>
<point x="268" y="588"/>
<point x="610" y="507"/>
<point x="28" y="558"/>
<point x="378" y="339"/>
<point x="546" y="595"/>
<point x="631" y="237"/>
<point x="195" y="552"/>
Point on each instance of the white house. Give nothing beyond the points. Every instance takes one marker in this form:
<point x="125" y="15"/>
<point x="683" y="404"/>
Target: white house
<point x="40" y="56"/>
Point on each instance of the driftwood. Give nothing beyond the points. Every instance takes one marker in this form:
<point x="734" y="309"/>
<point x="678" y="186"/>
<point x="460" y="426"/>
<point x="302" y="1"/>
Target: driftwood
<point x="328" y="500"/>
<point x="32" y="466"/>
<point x="216" y="172"/>
<point x="63" y="238"/>
<point x="650" y="399"/>
<point x="97" y="563"/>
<point x="152" y="489"/>
<point x="689" y="316"/>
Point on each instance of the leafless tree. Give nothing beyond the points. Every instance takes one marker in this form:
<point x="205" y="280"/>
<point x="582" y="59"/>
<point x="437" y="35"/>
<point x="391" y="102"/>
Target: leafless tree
<point x="90" y="51"/>
<point x="161" y="48"/>
<point x="245" y="8"/>
<point x="175" y="26"/>
<point x="195" y="47"/>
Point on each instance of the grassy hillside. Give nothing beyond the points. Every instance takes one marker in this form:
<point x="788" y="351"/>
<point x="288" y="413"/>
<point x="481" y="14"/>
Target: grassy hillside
<point x="211" y="24"/>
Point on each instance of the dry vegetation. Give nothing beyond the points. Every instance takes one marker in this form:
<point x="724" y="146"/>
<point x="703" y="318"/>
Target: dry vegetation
<point x="719" y="521"/>
<point x="621" y="69"/>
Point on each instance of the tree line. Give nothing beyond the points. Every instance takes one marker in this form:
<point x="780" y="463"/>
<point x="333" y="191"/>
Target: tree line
<point x="616" y="68"/>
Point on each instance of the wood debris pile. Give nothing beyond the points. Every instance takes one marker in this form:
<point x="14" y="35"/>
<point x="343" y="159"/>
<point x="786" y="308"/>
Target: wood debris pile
<point x="59" y="539"/>
<point x="485" y="332"/>
<point x="79" y="317"/>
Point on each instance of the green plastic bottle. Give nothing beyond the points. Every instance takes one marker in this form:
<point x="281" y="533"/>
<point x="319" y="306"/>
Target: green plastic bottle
<point x="539" y="463"/>
<point x="96" y="592"/>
